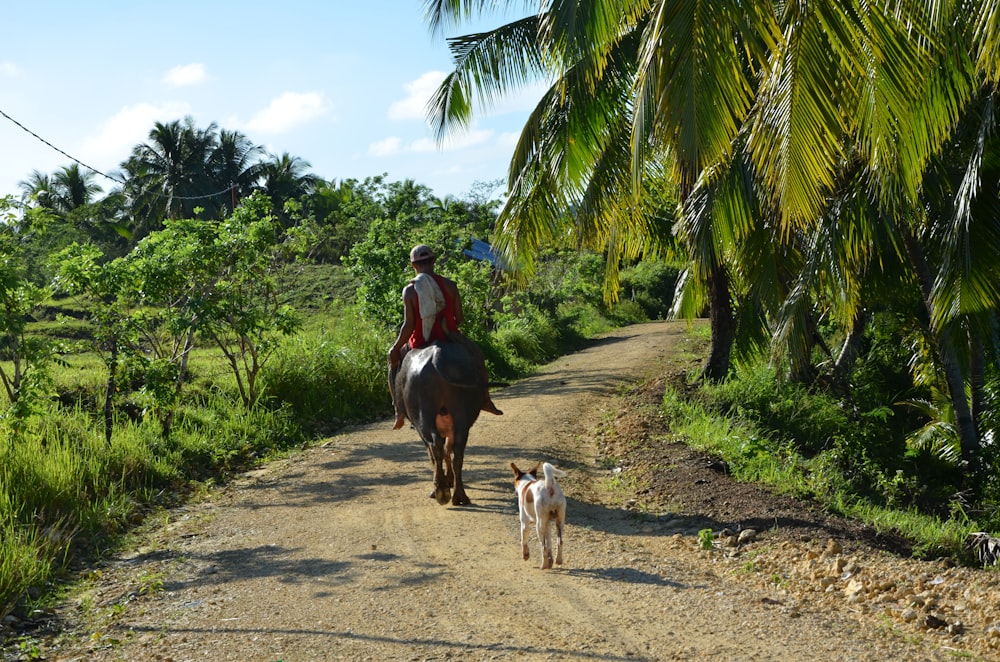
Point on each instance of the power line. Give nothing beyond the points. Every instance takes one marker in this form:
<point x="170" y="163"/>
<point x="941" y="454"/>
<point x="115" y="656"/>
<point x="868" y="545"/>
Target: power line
<point x="68" y="156"/>
<point x="102" y="174"/>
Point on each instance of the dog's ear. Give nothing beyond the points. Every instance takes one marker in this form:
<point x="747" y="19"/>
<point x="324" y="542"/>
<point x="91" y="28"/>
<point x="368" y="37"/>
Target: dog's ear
<point x="517" y="472"/>
<point x="534" y="470"/>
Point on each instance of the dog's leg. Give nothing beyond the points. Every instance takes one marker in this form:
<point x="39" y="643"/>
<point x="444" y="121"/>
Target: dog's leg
<point x="560" y="522"/>
<point x="525" y="521"/>
<point x="542" y="527"/>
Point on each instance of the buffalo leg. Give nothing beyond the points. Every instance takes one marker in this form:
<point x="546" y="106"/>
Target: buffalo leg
<point x="442" y="488"/>
<point x="459" y="498"/>
<point x="429" y="445"/>
<point x="445" y="424"/>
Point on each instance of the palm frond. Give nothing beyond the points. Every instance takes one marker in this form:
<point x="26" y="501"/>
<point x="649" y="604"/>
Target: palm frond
<point x="489" y="65"/>
<point x="441" y="13"/>
<point x="968" y="232"/>
<point x="938" y="436"/>
<point x="986" y="17"/>
<point x="797" y="139"/>
<point x="695" y="81"/>
<point x="895" y="109"/>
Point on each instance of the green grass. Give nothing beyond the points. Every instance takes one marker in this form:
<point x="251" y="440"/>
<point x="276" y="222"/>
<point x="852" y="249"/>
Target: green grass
<point x="754" y="456"/>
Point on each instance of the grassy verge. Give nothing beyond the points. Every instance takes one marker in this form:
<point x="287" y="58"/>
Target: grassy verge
<point x="705" y="418"/>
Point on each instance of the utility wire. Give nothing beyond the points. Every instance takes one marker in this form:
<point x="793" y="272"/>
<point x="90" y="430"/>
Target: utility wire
<point x="105" y="175"/>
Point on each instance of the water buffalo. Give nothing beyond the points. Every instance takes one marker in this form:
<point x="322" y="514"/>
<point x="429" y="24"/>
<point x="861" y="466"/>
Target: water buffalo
<point x="441" y="392"/>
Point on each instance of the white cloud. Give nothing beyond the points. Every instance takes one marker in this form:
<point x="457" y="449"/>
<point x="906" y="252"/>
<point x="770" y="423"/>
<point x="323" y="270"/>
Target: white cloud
<point x="388" y="147"/>
<point x="288" y="111"/>
<point x="509" y="138"/>
<point x="463" y="140"/>
<point x="127" y="128"/>
<point x="394" y="145"/>
<point x="8" y="69"/>
<point x="419" y="92"/>
<point x="186" y="74"/>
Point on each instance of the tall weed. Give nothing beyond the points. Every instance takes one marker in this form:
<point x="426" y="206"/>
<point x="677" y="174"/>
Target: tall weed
<point x="331" y="376"/>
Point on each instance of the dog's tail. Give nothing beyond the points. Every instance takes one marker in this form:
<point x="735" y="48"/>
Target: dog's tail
<point x="550" y="473"/>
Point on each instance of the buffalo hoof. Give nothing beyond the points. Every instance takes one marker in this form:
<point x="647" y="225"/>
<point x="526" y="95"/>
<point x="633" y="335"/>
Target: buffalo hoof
<point x="442" y="496"/>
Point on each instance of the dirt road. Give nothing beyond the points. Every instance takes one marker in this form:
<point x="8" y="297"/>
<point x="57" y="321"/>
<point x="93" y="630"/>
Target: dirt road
<point x="339" y="554"/>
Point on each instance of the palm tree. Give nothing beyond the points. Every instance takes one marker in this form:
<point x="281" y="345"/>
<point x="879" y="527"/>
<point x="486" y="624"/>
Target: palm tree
<point x="170" y="176"/>
<point x="711" y="82"/>
<point x="72" y="188"/>
<point x="66" y="190"/>
<point x="613" y="131"/>
<point x="36" y="187"/>
<point x="234" y="163"/>
<point x="284" y="178"/>
<point x="70" y="195"/>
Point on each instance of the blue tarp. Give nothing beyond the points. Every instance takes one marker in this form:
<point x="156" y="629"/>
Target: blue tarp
<point x="483" y="251"/>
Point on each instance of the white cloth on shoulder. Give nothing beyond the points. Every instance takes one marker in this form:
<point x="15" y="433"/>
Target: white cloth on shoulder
<point x="430" y="299"/>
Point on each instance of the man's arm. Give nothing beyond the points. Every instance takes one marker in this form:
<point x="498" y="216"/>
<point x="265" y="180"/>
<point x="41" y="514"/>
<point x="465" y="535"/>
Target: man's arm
<point x="409" y="323"/>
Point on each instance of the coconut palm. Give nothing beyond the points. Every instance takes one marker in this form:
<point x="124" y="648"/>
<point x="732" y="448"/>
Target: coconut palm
<point x="36" y="187"/>
<point x="72" y="188"/>
<point x="804" y="89"/>
<point x="169" y="176"/>
<point x="66" y="189"/>
<point x="284" y="178"/>
<point x="235" y="162"/>
<point x="594" y="143"/>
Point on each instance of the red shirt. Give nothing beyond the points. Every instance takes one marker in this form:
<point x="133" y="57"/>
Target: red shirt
<point x="445" y="319"/>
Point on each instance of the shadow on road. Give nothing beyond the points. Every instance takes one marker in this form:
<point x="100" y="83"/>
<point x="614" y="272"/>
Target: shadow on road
<point x="408" y="644"/>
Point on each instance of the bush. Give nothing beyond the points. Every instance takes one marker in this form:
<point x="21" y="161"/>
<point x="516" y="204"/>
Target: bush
<point x="533" y="338"/>
<point x="330" y="377"/>
<point x="650" y="285"/>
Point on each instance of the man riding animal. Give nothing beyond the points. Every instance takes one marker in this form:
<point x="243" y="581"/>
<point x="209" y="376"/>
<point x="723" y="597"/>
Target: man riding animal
<point x="432" y="313"/>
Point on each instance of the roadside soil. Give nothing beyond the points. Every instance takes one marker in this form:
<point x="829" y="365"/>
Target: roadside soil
<point x="337" y="553"/>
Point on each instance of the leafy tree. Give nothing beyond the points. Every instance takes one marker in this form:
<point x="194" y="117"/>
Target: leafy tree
<point x="24" y="357"/>
<point x="337" y="208"/>
<point x="102" y="284"/>
<point x="165" y="272"/>
<point x="170" y="176"/>
<point x="240" y="310"/>
<point x="381" y="264"/>
<point x="190" y="278"/>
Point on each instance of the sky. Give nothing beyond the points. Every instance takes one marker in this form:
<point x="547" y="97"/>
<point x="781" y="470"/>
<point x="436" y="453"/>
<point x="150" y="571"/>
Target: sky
<point x="341" y="85"/>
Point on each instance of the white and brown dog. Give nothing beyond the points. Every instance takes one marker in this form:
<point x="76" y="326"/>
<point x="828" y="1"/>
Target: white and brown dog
<point x="541" y="502"/>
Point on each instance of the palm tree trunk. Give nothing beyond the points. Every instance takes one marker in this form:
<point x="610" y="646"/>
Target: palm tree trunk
<point x="850" y="351"/>
<point x="967" y="433"/>
<point x="977" y="377"/>
<point x="723" y="324"/>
